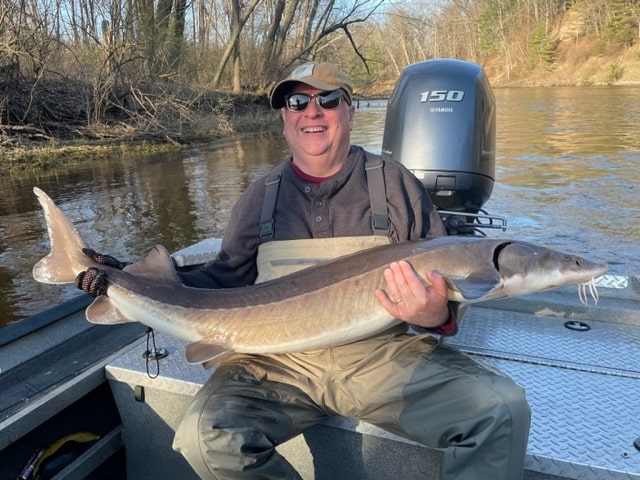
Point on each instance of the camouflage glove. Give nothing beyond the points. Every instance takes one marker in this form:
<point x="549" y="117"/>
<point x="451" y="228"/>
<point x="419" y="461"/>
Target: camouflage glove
<point x="94" y="281"/>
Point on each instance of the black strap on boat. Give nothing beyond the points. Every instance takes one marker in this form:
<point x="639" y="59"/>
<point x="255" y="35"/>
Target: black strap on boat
<point x="377" y="195"/>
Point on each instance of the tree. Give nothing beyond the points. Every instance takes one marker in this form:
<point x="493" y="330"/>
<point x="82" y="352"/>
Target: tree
<point x="623" y="24"/>
<point x="542" y="46"/>
<point x="324" y="22"/>
<point x="238" y="20"/>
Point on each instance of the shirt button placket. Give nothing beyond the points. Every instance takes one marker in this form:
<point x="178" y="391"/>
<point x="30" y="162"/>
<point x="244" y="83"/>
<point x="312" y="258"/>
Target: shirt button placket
<point x="320" y="216"/>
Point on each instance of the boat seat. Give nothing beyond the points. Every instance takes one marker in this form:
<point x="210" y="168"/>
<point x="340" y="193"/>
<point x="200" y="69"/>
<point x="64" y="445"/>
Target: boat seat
<point x="151" y="409"/>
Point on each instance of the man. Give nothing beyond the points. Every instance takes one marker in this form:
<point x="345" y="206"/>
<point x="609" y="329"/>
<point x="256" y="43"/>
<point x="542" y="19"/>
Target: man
<point x="328" y="199"/>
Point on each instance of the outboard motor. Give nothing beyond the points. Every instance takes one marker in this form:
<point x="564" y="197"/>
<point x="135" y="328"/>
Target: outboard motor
<point x="441" y="124"/>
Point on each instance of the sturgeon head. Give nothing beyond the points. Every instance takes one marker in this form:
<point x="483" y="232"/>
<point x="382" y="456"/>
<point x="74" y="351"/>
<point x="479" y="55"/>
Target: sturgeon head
<point x="479" y="269"/>
<point x="527" y="268"/>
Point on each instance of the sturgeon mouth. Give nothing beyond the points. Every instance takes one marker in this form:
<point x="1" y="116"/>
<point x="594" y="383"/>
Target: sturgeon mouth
<point x="593" y="291"/>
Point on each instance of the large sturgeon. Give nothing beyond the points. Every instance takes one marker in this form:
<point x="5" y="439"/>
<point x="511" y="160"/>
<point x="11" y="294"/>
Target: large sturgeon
<point x="315" y="308"/>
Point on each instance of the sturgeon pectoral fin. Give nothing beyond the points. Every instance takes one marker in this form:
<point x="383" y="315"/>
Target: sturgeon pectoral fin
<point x="102" y="312"/>
<point x="476" y="287"/>
<point x="200" y="352"/>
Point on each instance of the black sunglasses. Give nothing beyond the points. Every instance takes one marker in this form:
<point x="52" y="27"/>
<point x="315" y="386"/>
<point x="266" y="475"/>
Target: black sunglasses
<point x="298" y="102"/>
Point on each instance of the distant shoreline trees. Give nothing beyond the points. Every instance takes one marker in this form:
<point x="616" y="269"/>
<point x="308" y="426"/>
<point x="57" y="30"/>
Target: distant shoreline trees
<point x="129" y="55"/>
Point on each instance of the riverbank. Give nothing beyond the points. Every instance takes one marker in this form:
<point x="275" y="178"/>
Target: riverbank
<point x="586" y="61"/>
<point x="155" y="121"/>
<point x="61" y="139"/>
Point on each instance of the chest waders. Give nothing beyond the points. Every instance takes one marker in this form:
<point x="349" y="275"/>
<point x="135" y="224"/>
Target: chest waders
<point x="406" y="384"/>
<point x="279" y="258"/>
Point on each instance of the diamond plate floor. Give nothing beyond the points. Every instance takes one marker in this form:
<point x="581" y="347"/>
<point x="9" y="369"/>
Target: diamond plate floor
<point x="583" y="386"/>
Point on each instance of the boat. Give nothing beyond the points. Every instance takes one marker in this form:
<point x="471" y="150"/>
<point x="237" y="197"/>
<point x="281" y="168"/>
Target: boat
<point x="128" y="386"/>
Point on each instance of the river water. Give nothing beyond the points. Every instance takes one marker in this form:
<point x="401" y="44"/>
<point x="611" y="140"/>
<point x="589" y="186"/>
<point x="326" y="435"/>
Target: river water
<point x="567" y="175"/>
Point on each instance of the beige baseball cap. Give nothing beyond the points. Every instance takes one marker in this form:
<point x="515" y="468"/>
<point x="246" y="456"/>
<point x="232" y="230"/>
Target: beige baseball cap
<point x="322" y="76"/>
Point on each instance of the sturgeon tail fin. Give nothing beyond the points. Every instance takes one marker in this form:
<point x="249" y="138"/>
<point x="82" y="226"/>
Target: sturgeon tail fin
<point x="66" y="259"/>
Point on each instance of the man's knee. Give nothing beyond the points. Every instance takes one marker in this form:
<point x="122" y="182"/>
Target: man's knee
<point x="233" y="425"/>
<point x="224" y="435"/>
<point x="512" y="400"/>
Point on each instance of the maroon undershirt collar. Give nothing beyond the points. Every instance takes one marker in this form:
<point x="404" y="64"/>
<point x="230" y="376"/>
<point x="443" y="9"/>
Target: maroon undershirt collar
<point x="305" y="176"/>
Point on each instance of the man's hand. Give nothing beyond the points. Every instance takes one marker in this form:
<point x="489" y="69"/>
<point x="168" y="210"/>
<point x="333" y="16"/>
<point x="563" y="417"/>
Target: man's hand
<point x="407" y="297"/>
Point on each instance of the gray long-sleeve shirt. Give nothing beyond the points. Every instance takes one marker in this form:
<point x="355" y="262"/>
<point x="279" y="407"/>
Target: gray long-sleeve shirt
<point x="338" y="206"/>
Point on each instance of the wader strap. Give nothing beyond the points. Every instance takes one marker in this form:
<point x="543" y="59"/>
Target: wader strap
<point x="267" y="223"/>
<point x="377" y="195"/>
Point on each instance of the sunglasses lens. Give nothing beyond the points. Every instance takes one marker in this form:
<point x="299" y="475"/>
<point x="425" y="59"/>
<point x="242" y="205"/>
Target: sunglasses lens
<point x="297" y="102"/>
<point x="330" y="100"/>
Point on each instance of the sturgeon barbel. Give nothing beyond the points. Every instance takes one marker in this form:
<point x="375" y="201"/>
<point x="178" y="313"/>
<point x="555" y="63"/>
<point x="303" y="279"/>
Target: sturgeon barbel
<point x="319" y="307"/>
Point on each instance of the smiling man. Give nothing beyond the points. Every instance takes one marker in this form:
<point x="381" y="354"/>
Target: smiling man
<point x="331" y="198"/>
<point x="318" y="119"/>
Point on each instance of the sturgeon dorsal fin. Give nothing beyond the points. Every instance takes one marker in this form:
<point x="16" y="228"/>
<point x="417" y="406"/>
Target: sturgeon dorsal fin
<point x="157" y="265"/>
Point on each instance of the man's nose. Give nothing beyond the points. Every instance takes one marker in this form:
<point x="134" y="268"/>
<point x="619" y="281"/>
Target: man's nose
<point x="313" y="110"/>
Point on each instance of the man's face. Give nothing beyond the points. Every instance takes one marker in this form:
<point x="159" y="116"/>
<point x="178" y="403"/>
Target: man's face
<point x="316" y="134"/>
